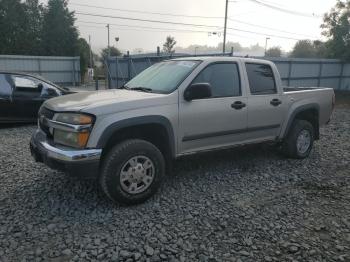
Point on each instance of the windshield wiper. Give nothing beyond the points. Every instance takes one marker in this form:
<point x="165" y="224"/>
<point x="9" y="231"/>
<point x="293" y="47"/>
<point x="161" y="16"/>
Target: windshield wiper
<point x="140" y="88"/>
<point x="123" y="87"/>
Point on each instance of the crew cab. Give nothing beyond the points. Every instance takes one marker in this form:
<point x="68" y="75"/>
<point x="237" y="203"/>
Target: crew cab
<point x="21" y="96"/>
<point x="127" y="137"/>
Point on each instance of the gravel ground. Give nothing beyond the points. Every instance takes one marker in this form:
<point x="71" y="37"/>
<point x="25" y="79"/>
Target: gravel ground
<point x="246" y="204"/>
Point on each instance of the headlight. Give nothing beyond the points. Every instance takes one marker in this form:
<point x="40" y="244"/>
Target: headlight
<point x="75" y="129"/>
<point x="74" y="118"/>
<point x="73" y="139"/>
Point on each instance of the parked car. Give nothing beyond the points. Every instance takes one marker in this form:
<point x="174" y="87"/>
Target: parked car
<point x="128" y="137"/>
<point x="21" y="96"/>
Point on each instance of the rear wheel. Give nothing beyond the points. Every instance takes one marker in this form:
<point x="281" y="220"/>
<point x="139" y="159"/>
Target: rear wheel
<point x="132" y="171"/>
<point x="300" y="139"/>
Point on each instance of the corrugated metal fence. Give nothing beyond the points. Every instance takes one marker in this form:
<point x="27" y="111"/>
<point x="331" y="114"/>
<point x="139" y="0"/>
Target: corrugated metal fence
<point x="294" y="72"/>
<point x="60" y="70"/>
<point x="314" y="72"/>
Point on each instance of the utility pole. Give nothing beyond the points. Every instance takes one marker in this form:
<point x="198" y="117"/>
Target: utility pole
<point x="107" y="62"/>
<point x="90" y="52"/>
<point x="109" y="48"/>
<point x="224" y="44"/>
<point x="267" y="38"/>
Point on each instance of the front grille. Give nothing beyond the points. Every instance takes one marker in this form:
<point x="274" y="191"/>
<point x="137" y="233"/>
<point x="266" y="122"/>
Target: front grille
<point x="48" y="114"/>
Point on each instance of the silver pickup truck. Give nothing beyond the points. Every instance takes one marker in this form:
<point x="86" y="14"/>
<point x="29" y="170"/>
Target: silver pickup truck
<point x="127" y="137"/>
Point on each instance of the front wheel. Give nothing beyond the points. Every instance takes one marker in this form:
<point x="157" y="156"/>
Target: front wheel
<point x="132" y="171"/>
<point x="300" y="139"/>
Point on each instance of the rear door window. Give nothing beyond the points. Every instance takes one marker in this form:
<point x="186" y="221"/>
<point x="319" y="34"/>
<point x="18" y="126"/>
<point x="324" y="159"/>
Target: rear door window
<point x="261" y="79"/>
<point x="5" y="86"/>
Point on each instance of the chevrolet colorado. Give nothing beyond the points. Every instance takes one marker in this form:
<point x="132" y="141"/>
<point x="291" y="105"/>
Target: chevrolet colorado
<point x="127" y="137"/>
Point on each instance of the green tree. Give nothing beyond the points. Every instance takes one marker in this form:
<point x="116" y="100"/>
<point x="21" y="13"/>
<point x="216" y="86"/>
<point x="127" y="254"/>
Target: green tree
<point x="13" y="27"/>
<point x="321" y="50"/>
<point x="303" y="49"/>
<point x="34" y="24"/>
<point x="59" y="34"/>
<point x="274" y="52"/>
<point x="336" y="28"/>
<point x="168" y="46"/>
<point x="84" y="53"/>
<point x="113" y="52"/>
<point x="309" y="49"/>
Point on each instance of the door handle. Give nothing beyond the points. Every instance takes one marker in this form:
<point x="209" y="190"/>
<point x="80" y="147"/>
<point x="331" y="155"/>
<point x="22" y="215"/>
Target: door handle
<point x="238" y="105"/>
<point x="275" y="102"/>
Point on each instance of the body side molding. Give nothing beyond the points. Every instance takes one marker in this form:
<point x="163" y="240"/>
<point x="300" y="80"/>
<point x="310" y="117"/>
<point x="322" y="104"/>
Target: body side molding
<point x="228" y="132"/>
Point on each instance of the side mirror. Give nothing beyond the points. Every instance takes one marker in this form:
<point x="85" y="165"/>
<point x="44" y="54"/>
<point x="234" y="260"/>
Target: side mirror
<point x="197" y="91"/>
<point x="40" y="87"/>
<point x="51" y="92"/>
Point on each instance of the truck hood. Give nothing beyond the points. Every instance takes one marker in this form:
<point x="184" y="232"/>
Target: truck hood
<point x="96" y="101"/>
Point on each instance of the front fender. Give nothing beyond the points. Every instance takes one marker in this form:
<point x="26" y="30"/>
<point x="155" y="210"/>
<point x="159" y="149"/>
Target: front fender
<point x="153" y="119"/>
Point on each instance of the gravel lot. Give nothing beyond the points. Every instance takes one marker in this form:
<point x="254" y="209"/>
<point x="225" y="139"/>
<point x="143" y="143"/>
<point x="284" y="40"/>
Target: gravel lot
<point x="246" y="204"/>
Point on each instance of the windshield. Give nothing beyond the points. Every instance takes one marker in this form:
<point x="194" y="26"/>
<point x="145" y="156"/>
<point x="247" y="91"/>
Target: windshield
<point x="163" y="77"/>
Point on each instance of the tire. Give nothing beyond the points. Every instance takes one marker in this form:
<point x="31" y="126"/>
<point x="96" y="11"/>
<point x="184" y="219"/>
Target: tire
<point x="299" y="141"/>
<point x="132" y="172"/>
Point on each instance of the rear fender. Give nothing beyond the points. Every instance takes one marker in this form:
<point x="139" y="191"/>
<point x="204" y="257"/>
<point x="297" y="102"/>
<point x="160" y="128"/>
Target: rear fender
<point x="292" y="116"/>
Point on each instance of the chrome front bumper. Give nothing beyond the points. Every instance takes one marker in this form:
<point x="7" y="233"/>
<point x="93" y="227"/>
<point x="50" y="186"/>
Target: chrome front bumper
<point x="83" y="162"/>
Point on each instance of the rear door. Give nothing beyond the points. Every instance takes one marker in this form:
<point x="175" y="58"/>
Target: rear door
<point x="265" y="102"/>
<point x="6" y="103"/>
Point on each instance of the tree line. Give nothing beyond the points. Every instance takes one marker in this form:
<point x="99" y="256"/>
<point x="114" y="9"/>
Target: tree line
<point x="336" y="28"/>
<point x="31" y="28"/>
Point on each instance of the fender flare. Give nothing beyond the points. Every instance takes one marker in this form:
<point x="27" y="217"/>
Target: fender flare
<point x="135" y="121"/>
<point x="297" y="111"/>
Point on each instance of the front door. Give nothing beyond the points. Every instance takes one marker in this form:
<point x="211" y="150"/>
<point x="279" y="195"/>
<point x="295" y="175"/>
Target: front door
<point x="27" y="97"/>
<point x="217" y="121"/>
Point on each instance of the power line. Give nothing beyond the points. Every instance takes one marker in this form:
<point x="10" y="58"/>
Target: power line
<point x="155" y="13"/>
<point x="191" y="16"/>
<point x="136" y="27"/>
<point x="243" y="36"/>
<point x="285" y="10"/>
<point x="158" y="29"/>
<point x="269" y="28"/>
<point x="145" y="12"/>
<point x="186" y="24"/>
<point x="263" y="34"/>
<point x="145" y="20"/>
<point x="147" y="27"/>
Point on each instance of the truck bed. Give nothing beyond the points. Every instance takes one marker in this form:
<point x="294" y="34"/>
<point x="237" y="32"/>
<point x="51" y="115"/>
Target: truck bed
<point x="287" y="89"/>
<point x="320" y="96"/>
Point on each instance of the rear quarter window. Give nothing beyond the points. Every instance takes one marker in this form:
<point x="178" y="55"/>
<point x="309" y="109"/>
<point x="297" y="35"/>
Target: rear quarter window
<point x="261" y="79"/>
